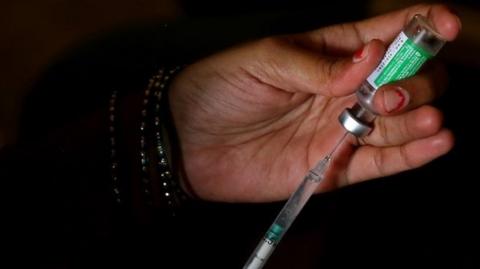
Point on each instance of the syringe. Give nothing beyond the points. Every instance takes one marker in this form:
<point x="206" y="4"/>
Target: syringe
<point x="290" y="211"/>
<point x="408" y="52"/>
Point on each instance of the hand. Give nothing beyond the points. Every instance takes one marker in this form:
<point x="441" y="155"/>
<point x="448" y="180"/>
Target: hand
<point x="254" y="119"/>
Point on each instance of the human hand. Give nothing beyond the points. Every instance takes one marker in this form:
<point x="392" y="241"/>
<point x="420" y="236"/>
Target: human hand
<point x="254" y="119"/>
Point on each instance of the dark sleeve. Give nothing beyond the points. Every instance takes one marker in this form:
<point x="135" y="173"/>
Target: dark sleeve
<point x="80" y="80"/>
<point x="63" y="208"/>
<point x="58" y="192"/>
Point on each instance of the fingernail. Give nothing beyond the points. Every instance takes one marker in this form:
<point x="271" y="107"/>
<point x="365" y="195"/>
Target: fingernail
<point x="360" y="55"/>
<point x="395" y="100"/>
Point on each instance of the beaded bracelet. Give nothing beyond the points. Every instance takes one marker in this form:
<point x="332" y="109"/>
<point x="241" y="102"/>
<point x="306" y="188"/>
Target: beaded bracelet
<point x="113" y="152"/>
<point x="171" y="192"/>
<point x="144" y="158"/>
<point x="155" y="171"/>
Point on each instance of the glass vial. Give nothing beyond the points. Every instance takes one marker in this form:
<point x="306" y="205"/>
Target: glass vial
<point x="417" y="43"/>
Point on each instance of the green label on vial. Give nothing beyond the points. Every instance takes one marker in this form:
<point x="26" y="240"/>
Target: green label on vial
<point x="402" y="60"/>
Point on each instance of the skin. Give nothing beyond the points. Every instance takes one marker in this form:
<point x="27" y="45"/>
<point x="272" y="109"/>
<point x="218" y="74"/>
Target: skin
<point x="254" y="119"/>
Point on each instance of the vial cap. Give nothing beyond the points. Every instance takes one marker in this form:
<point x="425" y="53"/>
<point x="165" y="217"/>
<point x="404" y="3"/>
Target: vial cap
<point x="353" y="124"/>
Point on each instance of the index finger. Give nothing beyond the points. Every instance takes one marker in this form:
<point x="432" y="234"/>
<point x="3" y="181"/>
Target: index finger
<point x="350" y="36"/>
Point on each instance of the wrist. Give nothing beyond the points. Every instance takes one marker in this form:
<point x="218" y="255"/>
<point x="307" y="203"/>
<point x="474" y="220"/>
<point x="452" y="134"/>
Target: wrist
<point x="144" y="141"/>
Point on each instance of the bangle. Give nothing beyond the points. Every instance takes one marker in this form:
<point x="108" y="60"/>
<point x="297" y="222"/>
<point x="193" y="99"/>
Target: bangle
<point x="160" y="185"/>
<point x="145" y="182"/>
<point x="113" y="152"/>
<point x="171" y="191"/>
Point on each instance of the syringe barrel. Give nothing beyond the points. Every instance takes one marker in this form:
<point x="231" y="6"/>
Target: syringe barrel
<point x="415" y="44"/>
<point x="287" y="215"/>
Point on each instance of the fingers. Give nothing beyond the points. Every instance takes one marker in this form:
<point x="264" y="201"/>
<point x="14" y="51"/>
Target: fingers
<point x="384" y="27"/>
<point x="306" y="70"/>
<point x="387" y="26"/>
<point x="285" y="66"/>
<point x="373" y="162"/>
<point x="397" y="130"/>
<point x="408" y="95"/>
<point x="343" y="75"/>
<point x="412" y="92"/>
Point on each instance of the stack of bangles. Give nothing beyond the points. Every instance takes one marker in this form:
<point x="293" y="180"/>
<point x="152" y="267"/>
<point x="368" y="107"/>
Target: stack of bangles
<point x="160" y="186"/>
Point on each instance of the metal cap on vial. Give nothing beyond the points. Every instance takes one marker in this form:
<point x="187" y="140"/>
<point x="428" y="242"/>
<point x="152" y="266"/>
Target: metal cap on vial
<point x="357" y="120"/>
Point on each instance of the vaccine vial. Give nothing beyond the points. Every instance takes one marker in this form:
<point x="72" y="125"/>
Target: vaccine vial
<point x="415" y="44"/>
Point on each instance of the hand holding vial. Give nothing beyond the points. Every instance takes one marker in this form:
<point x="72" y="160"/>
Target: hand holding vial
<point x="254" y="119"/>
<point x="280" y="99"/>
<point x="413" y="46"/>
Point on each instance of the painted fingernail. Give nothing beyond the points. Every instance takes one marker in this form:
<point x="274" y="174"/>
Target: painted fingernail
<point x="360" y="55"/>
<point x="395" y="100"/>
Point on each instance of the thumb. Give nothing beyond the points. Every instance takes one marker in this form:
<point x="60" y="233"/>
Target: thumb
<point x="339" y="77"/>
<point x="293" y="69"/>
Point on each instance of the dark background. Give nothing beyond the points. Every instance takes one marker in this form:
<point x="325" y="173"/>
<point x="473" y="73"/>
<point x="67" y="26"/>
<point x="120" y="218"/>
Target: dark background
<point x="422" y="218"/>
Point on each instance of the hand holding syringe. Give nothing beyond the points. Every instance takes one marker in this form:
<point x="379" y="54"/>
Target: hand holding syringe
<point x="418" y="42"/>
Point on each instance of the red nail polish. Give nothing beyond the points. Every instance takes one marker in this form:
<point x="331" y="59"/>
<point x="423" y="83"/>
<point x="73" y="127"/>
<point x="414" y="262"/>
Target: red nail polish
<point x="394" y="100"/>
<point x="359" y="55"/>
<point x="401" y="99"/>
